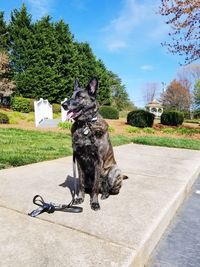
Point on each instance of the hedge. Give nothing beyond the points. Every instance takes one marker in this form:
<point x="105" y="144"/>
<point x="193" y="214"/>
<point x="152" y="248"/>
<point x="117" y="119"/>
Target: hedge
<point x="21" y="104"/>
<point x="108" y="112"/>
<point x="140" y="118"/>
<point x="172" y="118"/>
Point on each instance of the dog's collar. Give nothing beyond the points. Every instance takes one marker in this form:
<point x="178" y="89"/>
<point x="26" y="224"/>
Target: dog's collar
<point x="87" y="129"/>
<point x="94" y="119"/>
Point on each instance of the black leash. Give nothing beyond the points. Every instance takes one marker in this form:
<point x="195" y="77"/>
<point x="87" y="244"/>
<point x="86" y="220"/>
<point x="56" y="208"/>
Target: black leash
<point x="51" y="207"/>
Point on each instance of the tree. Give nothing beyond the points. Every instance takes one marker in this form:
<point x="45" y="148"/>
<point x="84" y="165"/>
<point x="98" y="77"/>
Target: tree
<point x="120" y="98"/>
<point x="89" y="66"/>
<point x="45" y="59"/>
<point x="6" y="85"/>
<point x="197" y="95"/>
<point x="3" y="33"/>
<point x="183" y="16"/>
<point x="104" y="96"/>
<point x="190" y="72"/>
<point x="149" y="91"/>
<point x="176" y="97"/>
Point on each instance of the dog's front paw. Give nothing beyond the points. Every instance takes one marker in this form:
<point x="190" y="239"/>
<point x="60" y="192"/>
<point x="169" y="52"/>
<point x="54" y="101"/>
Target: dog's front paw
<point x="78" y="200"/>
<point x="105" y="195"/>
<point x="95" y="206"/>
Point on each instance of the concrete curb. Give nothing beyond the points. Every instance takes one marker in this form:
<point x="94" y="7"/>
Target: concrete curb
<point x="157" y="230"/>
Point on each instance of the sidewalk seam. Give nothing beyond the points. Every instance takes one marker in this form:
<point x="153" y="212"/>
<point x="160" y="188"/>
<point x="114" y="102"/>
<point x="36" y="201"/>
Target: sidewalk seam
<point x="70" y="227"/>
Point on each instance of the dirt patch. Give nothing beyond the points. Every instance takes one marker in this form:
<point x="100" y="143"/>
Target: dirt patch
<point x="117" y="127"/>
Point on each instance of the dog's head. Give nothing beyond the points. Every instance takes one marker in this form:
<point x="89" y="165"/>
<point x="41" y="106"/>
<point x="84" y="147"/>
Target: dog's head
<point x="82" y="105"/>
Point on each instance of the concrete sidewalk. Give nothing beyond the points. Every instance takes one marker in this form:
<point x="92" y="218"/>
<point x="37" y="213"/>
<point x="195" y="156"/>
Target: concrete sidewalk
<point x="123" y="233"/>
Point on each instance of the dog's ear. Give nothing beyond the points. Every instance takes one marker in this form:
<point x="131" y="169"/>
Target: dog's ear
<point x="93" y="86"/>
<point x="76" y="85"/>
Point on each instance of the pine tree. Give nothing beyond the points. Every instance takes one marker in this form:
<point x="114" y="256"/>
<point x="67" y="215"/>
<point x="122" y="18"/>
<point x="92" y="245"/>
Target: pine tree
<point x="20" y="45"/>
<point x="67" y="59"/>
<point x="105" y="94"/>
<point x="45" y="59"/>
<point x="85" y="62"/>
<point x="3" y="33"/>
<point x="120" y="98"/>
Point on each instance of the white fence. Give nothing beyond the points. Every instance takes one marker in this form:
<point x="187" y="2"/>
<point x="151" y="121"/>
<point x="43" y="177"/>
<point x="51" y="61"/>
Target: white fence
<point x="63" y="112"/>
<point x="43" y="110"/>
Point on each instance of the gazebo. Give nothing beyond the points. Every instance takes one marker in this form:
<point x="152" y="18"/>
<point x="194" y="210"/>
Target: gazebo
<point x="155" y="107"/>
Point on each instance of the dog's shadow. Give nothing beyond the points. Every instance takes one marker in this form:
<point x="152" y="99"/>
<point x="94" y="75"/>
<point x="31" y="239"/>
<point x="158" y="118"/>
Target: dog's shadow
<point x="73" y="185"/>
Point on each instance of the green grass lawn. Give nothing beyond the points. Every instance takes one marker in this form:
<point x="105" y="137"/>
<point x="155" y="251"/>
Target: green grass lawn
<point x="20" y="147"/>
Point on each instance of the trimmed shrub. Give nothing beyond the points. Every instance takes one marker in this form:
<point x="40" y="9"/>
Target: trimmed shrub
<point x="108" y="112"/>
<point x="56" y="108"/>
<point x="172" y="118"/>
<point x="4" y="118"/>
<point x="140" y="118"/>
<point x="21" y="104"/>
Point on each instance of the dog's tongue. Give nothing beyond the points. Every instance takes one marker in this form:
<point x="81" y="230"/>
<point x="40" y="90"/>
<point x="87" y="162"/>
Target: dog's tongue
<point x="70" y="114"/>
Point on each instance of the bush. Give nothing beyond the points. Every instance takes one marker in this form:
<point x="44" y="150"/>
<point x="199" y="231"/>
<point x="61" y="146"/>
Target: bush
<point x="140" y="118"/>
<point x="172" y="118"/>
<point x="56" y="108"/>
<point x="108" y="112"/>
<point x="21" y="104"/>
<point x="3" y="118"/>
<point x="197" y="114"/>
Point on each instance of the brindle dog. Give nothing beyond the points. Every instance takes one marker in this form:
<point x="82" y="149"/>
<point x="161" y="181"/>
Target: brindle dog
<point x="92" y="150"/>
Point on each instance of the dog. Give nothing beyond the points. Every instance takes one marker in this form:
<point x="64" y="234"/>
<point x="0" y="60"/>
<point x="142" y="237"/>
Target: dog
<point x="92" y="149"/>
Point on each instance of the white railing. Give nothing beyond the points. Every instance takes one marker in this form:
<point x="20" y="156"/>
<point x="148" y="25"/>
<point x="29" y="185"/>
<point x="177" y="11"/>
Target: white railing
<point x="63" y="112"/>
<point x="43" y="110"/>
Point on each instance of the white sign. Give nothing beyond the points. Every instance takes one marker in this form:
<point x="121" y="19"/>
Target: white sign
<point x="43" y="110"/>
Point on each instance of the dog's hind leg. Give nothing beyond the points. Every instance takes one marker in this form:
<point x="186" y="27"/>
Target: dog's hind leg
<point x="81" y="191"/>
<point x="115" y="179"/>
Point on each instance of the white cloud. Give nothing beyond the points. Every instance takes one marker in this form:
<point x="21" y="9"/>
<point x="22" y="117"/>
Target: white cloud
<point x="136" y="22"/>
<point x="147" y="67"/>
<point x="119" y="29"/>
<point x="40" y="7"/>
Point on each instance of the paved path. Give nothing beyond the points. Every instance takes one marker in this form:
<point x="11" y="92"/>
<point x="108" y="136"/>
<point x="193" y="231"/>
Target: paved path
<point x="180" y="246"/>
<point x="49" y="123"/>
<point x="123" y="233"/>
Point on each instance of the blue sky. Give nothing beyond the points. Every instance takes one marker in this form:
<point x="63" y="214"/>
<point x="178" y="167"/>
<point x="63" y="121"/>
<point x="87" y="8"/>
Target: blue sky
<point x="125" y="34"/>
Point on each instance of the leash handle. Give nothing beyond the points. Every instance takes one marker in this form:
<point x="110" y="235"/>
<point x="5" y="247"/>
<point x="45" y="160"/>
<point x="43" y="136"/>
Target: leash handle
<point x="50" y="207"/>
<point x="43" y="206"/>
